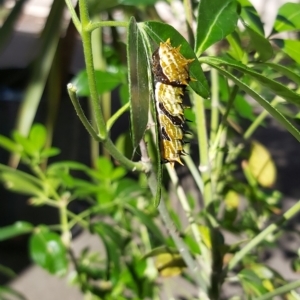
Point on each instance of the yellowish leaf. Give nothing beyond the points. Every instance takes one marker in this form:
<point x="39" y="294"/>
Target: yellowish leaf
<point x="232" y="200"/>
<point x="169" y="265"/>
<point x="262" y="165"/>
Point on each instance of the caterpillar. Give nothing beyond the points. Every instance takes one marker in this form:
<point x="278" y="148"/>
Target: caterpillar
<point x="171" y="76"/>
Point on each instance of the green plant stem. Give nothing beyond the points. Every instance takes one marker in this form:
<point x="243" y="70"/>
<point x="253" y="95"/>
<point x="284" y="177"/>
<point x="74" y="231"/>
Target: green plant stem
<point x="110" y="122"/>
<point x="279" y="291"/>
<point x="204" y="167"/>
<point x="195" y="172"/>
<point x="74" y="16"/>
<point x="66" y="234"/>
<point x="72" y="93"/>
<point x="77" y="219"/>
<point x="205" y="259"/>
<point x="129" y="164"/>
<point x="115" y="153"/>
<point x="89" y="63"/>
<point x="181" y="246"/>
<point x="260" y="237"/>
<point x="95" y="25"/>
<point x="214" y="124"/>
<point x="255" y="124"/>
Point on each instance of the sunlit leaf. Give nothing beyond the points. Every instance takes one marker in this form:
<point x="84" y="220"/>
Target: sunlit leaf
<point x="232" y="200"/>
<point x="169" y="265"/>
<point x="292" y="49"/>
<point x="251" y="283"/>
<point x="37" y="136"/>
<point x="216" y="19"/>
<point x="288" y="18"/>
<point x="262" y="165"/>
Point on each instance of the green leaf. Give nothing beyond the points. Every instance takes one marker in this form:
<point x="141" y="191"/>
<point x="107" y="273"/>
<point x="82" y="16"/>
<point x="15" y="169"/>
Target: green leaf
<point x="244" y="108"/>
<point x="104" y="167"/>
<point x="20" y="182"/>
<point x="50" y="152"/>
<point x="263" y="102"/>
<point x="251" y="17"/>
<point x="105" y="82"/>
<point x="6" y="292"/>
<point x="292" y="49"/>
<point x="216" y="19"/>
<point x="67" y="165"/>
<point x="7" y="27"/>
<point x="48" y="251"/>
<point x="288" y="18"/>
<point x="236" y="50"/>
<point x="260" y="44"/>
<point x="9" y="145"/>
<point x="27" y="145"/>
<point x="251" y="283"/>
<point x="113" y="254"/>
<point x="160" y="32"/>
<point x="277" y="88"/>
<point x="41" y="67"/>
<point x="147" y="220"/>
<point x="282" y="70"/>
<point x="138" y="82"/>
<point x="37" y="136"/>
<point x="16" y="229"/>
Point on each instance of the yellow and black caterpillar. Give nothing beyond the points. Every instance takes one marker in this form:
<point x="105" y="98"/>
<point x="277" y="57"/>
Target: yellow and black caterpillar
<point x="171" y="76"/>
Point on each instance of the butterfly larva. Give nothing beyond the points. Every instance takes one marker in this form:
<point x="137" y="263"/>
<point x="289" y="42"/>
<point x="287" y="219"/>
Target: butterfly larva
<point x="171" y="76"/>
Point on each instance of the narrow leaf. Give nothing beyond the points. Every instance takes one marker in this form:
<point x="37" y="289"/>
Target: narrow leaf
<point x="263" y="102"/>
<point x="251" y="17"/>
<point x="260" y="44"/>
<point x="16" y="229"/>
<point x="9" y="145"/>
<point x="282" y="70"/>
<point x="292" y="49"/>
<point x="288" y="18"/>
<point x="20" y="182"/>
<point x="278" y="88"/>
<point x="147" y="221"/>
<point x="7" y="27"/>
<point x="216" y="19"/>
<point x="138" y="82"/>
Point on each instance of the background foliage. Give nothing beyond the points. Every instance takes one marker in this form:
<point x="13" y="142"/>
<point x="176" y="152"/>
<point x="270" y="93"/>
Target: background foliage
<point x="242" y="76"/>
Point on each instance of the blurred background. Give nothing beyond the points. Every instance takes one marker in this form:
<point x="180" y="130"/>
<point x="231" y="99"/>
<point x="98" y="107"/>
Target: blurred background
<point x="40" y="52"/>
